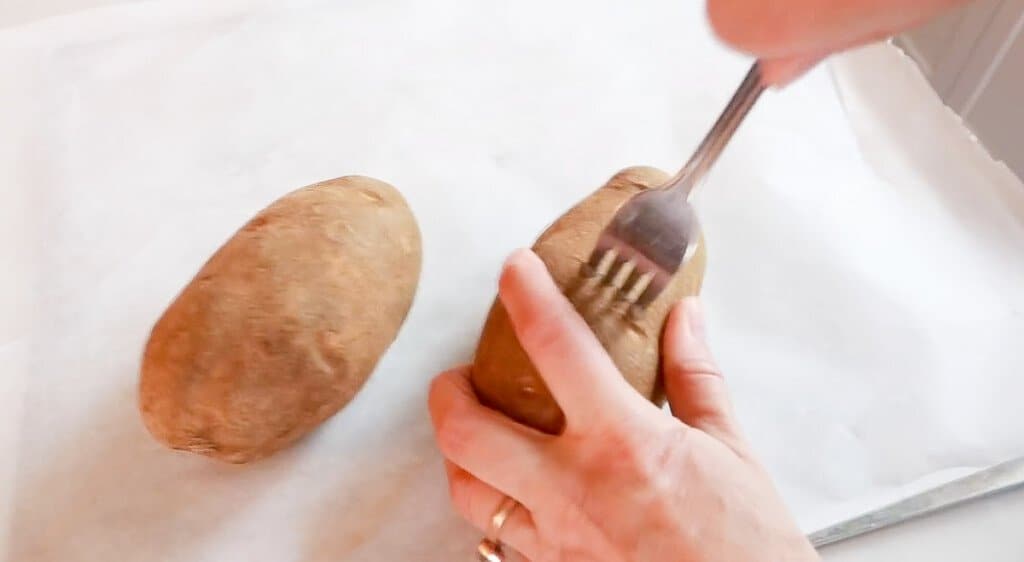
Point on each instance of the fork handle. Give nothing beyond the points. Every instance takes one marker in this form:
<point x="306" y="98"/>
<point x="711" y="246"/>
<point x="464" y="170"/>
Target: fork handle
<point x="718" y="137"/>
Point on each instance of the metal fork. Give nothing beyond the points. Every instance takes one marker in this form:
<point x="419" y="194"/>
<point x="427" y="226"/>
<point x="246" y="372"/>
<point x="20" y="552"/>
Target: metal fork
<point x="656" y="231"/>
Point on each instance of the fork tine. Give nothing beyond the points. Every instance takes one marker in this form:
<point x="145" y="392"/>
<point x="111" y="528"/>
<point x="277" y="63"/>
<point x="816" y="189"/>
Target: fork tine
<point x="656" y="230"/>
<point x="619" y="271"/>
<point x="635" y="286"/>
<point x="658" y="283"/>
<point x="601" y="259"/>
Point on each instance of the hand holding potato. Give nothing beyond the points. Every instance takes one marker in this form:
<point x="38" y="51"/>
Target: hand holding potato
<point x="503" y="375"/>
<point x="624" y="481"/>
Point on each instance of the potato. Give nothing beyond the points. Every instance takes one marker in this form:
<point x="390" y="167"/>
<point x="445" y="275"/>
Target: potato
<point x="502" y="374"/>
<point x="284" y="324"/>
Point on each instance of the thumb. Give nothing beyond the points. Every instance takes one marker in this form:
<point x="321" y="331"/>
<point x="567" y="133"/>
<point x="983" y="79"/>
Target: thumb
<point x="693" y="383"/>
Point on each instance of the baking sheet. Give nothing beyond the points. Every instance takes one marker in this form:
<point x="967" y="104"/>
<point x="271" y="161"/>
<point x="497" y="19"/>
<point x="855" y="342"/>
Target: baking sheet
<point x="863" y="292"/>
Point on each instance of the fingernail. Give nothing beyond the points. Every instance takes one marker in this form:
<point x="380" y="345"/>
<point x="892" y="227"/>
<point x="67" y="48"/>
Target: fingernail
<point x="510" y="270"/>
<point x="694" y="312"/>
<point x="517" y="258"/>
<point x="511" y="261"/>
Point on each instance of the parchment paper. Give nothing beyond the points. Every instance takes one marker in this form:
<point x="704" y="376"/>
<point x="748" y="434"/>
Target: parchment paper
<point x="864" y="290"/>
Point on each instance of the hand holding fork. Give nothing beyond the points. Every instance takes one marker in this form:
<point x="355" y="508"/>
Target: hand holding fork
<point x="656" y="231"/>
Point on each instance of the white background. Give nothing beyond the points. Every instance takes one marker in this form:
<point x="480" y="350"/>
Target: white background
<point x="864" y="289"/>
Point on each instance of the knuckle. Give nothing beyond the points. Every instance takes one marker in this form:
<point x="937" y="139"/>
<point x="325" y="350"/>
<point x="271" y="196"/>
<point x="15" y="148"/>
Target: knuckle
<point x="454" y="436"/>
<point x="459" y="490"/>
<point x="542" y="331"/>
<point x="693" y="367"/>
<point x="733" y="21"/>
<point x="632" y="451"/>
<point x="722" y="17"/>
<point x="436" y="392"/>
<point x="641" y="452"/>
<point x="572" y="517"/>
<point x="445" y="398"/>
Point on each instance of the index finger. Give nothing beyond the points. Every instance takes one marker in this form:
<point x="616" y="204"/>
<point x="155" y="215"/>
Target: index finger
<point x="576" y="368"/>
<point x="798" y="27"/>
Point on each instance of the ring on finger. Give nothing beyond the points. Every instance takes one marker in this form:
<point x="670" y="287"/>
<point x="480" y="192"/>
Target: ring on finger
<point x="500" y="517"/>
<point x="490" y="549"/>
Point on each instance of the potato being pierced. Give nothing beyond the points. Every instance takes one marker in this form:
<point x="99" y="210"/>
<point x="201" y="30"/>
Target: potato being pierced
<point x="504" y="377"/>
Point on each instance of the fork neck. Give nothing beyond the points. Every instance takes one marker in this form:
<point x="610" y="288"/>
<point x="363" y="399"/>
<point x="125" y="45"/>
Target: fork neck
<point x="720" y="134"/>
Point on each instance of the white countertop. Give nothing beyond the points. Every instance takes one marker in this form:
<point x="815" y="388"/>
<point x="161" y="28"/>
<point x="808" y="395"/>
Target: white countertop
<point x="863" y="290"/>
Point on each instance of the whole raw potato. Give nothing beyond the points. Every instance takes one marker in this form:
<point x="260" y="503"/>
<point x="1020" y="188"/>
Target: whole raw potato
<point x="284" y="324"/>
<point x="502" y="374"/>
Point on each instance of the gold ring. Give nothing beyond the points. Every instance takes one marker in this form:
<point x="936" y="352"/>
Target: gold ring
<point x="500" y="517"/>
<point x="490" y="549"/>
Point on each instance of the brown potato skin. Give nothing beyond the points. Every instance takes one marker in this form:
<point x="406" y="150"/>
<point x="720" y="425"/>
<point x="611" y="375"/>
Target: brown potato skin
<point x="284" y="323"/>
<point x="502" y="374"/>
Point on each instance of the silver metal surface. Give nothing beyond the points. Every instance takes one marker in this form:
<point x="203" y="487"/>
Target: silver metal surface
<point x="654" y="232"/>
<point x="1000" y="478"/>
